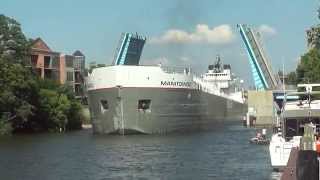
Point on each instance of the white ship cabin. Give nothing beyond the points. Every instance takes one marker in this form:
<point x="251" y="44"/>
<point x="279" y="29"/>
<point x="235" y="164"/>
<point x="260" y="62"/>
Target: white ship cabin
<point x="217" y="80"/>
<point x="220" y="81"/>
<point x="218" y="75"/>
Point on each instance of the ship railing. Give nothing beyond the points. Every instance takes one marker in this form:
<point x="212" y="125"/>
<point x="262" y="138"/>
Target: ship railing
<point x="176" y="70"/>
<point x="166" y="69"/>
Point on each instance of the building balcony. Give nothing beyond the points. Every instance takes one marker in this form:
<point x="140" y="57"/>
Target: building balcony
<point x="78" y="77"/>
<point x="51" y="62"/>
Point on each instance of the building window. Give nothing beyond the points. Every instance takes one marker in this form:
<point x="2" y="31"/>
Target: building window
<point x="34" y="60"/>
<point x="144" y="104"/>
<point x="69" y="61"/>
<point x="69" y="76"/>
<point x="47" y="61"/>
<point x="55" y="62"/>
<point x="77" y="77"/>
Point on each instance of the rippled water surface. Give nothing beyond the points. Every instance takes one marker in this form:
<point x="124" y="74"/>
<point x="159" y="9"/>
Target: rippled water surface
<point x="221" y="154"/>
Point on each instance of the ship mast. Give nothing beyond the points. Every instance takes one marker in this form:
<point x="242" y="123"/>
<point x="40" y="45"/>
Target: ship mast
<point x="217" y="64"/>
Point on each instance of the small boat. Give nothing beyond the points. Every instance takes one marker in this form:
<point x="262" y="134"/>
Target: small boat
<point x="260" y="138"/>
<point x="259" y="141"/>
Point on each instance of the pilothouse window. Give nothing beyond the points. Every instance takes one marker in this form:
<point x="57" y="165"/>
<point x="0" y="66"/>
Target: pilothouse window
<point x="144" y="104"/>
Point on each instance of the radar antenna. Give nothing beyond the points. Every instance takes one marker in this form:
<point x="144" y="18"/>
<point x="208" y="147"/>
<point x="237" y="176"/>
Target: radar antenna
<point x="217" y="64"/>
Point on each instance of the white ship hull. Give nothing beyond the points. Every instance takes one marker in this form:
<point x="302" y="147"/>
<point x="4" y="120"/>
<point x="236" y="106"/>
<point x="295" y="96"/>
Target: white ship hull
<point x="151" y="99"/>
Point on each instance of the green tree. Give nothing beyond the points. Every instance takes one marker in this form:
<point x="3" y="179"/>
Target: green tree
<point x="94" y="65"/>
<point x="13" y="44"/>
<point x="308" y="70"/>
<point x="58" y="107"/>
<point x="28" y="103"/>
<point x="18" y="88"/>
<point x="54" y="109"/>
<point x="5" y="128"/>
<point x="292" y="78"/>
<point x="75" y="116"/>
<point x="17" y="94"/>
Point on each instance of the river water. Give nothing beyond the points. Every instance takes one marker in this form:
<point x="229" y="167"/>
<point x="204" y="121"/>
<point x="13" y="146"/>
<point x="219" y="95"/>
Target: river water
<point x="221" y="154"/>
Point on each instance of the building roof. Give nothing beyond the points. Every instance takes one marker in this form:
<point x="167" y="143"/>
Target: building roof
<point x="41" y="45"/>
<point x="77" y="53"/>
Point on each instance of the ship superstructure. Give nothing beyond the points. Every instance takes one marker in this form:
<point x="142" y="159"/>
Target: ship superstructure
<point x="219" y="80"/>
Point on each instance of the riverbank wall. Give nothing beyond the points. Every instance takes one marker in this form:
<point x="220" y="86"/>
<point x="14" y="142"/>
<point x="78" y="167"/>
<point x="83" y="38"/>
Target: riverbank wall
<point x="261" y="106"/>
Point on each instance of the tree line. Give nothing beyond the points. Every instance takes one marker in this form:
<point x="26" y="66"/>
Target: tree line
<point x="308" y="68"/>
<point x="27" y="102"/>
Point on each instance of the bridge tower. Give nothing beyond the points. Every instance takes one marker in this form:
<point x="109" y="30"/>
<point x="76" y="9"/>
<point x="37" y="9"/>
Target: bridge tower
<point x="263" y="76"/>
<point x="129" y="49"/>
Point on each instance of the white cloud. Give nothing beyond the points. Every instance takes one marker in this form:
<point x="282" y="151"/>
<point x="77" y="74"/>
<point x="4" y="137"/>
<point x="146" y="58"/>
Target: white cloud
<point x="222" y="34"/>
<point x="267" y="30"/>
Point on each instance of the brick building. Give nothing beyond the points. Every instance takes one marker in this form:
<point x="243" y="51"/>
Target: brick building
<point x="44" y="61"/>
<point x="65" y="69"/>
<point x="72" y="72"/>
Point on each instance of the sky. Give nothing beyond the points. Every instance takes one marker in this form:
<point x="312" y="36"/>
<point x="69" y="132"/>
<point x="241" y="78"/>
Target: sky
<point x="179" y="32"/>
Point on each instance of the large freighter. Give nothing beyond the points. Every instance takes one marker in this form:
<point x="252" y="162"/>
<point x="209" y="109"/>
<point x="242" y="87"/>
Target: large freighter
<point x="129" y="98"/>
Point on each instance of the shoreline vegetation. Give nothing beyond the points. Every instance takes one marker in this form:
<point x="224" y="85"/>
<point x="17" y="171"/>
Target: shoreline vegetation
<point x="29" y="104"/>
